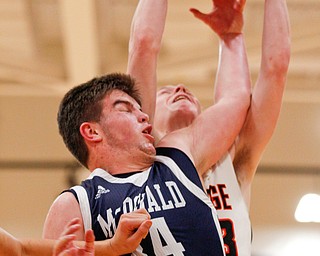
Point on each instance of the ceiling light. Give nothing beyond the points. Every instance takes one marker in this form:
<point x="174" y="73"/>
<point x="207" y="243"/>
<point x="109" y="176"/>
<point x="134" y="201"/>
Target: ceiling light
<point x="308" y="209"/>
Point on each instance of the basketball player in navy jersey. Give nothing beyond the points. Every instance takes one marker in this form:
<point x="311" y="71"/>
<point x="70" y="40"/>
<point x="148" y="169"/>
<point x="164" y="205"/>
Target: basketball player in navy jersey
<point x="102" y="124"/>
<point x="228" y="183"/>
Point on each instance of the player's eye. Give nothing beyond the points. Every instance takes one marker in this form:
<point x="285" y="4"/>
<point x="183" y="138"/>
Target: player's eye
<point x="123" y="108"/>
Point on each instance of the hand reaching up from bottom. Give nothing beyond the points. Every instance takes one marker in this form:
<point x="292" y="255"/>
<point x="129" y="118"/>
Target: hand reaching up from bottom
<point x="65" y="245"/>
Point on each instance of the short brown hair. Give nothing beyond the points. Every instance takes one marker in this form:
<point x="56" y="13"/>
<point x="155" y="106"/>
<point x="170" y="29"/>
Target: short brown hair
<point x="83" y="104"/>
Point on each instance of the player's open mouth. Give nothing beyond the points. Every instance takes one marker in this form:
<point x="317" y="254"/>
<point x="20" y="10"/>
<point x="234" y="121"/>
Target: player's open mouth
<point x="148" y="129"/>
<point x="181" y="97"/>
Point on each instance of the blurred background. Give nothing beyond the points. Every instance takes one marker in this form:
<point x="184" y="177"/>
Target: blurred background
<point x="48" y="46"/>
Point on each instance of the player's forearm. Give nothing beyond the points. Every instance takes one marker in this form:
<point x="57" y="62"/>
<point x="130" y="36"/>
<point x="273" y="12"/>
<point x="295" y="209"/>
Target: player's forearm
<point x="276" y="38"/>
<point x="105" y="248"/>
<point x="271" y="81"/>
<point x="148" y="25"/>
<point x="33" y="247"/>
<point x="144" y="46"/>
<point x="8" y="244"/>
<point x="233" y="76"/>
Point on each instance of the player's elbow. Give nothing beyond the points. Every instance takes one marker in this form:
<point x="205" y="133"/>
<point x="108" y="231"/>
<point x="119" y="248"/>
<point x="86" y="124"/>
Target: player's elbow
<point x="145" y="42"/>
<point x="243" y="100"/>
<point x="240" y="107"/>
<point x="277" y="64"/>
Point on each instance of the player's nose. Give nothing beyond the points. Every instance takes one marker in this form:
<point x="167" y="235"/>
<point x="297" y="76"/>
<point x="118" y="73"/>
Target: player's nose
<point x="180" y="87"/>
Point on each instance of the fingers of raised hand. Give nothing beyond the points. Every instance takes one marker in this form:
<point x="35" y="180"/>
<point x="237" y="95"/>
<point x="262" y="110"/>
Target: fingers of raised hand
<point x="239" y="5"/>
<point x="71" y="227"/>
<point x="63" y="245"/>
<point x="89" y="246"/>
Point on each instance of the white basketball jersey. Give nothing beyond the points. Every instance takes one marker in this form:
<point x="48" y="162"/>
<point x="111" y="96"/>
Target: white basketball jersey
<point x="224" y="191"/>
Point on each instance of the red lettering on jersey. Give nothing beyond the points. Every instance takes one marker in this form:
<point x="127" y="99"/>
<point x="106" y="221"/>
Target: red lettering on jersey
<point x="228" y="234"/>
<point x="219" y="197"/>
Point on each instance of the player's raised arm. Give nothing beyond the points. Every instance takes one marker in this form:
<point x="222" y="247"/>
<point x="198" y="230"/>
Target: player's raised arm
<point x="214" y="131"/>
<point x="268" y="91"/>
<point x="227" y="21"/>
<point x="145" y="42"/>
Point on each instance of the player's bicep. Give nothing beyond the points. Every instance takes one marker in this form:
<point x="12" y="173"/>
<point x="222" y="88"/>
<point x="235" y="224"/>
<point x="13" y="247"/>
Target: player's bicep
<point x="62" y="211"/>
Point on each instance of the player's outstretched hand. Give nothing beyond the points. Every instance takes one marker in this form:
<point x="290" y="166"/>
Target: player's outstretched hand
<point x="65" y="245"/>
<point x="132" y="228"/>
<point x="226" y="16"/>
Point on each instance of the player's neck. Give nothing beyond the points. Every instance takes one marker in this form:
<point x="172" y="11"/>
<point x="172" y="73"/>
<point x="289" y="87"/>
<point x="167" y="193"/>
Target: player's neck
<point x="121" y="162"/>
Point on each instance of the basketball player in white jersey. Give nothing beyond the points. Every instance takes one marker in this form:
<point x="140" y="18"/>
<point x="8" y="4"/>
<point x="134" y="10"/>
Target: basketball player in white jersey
<point x="228" y="183"/>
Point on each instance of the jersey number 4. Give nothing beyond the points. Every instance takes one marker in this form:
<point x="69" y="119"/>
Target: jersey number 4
<point x="160" y="232"/>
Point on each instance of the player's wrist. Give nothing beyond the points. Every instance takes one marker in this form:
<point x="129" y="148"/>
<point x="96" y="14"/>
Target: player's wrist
<point x="111" y="248"/>
<point x="230" y="35"/>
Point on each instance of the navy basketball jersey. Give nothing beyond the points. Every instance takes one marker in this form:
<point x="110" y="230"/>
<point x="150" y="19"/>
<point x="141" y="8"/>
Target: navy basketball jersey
<point x="224" y="191"/>
<point x="184" y="221"/>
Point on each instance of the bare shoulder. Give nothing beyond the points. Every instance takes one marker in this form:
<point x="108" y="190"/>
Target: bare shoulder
<point x="62" y="211"/>
<point x="177" y="139"/>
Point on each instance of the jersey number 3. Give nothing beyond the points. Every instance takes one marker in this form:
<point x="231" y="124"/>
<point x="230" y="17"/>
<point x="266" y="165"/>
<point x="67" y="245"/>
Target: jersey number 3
<point x="230" y="245"/>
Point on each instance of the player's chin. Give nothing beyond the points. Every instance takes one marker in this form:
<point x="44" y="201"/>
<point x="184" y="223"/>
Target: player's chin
<point x="149" y="149"/>
<point x="188" y="112"/>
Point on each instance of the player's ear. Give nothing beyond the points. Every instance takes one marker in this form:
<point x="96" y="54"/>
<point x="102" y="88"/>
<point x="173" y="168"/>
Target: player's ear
<point x="90" y="132"/>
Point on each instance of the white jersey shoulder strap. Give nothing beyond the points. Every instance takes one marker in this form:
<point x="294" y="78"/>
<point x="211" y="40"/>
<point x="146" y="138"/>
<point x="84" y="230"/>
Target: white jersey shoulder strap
<point x="84" y="206"/>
